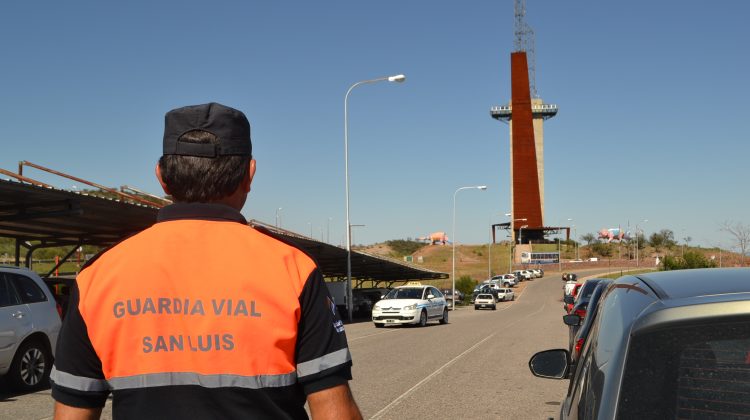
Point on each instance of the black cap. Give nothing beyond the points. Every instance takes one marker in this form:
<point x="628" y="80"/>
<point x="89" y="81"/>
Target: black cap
<point x="229" y="125"/>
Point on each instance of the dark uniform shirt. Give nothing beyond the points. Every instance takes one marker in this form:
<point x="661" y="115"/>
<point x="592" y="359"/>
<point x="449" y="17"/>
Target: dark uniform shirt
<point x="200" y="316"/>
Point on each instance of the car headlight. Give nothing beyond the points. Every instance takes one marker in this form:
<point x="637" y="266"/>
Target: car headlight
<point x="377" y="307"/>
<point x="410" y="307"/>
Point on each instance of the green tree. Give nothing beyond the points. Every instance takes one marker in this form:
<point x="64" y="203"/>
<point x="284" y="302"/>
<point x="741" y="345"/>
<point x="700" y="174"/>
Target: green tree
<point x="465" y="284"/>
<point x="663" y="238"/>
<point x="589" y="238"/>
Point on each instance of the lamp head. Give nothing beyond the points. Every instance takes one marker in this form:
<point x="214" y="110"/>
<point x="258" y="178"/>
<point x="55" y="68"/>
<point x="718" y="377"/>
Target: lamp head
<point x="482" y="187"/>
<point x="400" y="78"/>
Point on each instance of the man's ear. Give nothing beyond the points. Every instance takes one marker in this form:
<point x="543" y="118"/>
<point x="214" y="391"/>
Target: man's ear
<point x="161" y="181"/>
<point x="249" y="178"/>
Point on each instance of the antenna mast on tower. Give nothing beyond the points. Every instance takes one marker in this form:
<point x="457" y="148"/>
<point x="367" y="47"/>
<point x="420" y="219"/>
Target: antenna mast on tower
<point x="524" y="41"/>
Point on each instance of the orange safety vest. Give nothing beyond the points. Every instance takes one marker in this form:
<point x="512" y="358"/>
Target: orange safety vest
<point x="185" y="298"/>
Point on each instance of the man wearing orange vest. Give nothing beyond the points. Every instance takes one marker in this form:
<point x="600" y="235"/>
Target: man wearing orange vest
<point x="201" y="316"/>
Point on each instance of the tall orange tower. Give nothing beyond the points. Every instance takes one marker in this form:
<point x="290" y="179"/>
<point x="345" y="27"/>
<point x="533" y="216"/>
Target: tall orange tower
<point x="525" y="116"/>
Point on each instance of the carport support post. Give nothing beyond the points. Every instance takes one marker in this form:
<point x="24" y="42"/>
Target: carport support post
<point x="18" y="252"/>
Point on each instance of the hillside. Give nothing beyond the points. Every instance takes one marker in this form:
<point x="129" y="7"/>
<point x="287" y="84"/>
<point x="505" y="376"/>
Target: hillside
<point x="472" y="260"/>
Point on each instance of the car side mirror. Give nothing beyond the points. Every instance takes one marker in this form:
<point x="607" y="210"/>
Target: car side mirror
<point x="569" y="299"/>
<point x="551" y="364"/>
<point x="430" y="297"/>
<point x="572" y="320"/>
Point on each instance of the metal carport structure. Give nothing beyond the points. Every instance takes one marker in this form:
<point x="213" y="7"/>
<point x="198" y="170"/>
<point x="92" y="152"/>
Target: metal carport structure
<point x="51" y="217"/>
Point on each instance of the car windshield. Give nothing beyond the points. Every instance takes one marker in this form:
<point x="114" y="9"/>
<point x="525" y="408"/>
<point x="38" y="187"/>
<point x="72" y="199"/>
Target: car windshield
<point x="485" y="297"/>
<point x="404" y="293"/>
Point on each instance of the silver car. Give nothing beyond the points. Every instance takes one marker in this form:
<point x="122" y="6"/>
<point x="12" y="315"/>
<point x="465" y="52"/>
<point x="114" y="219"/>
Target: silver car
<point x="29" y="325"/>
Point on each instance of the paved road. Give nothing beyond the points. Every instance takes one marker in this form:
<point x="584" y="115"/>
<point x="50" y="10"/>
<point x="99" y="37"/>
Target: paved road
<point x="475" y="367"/>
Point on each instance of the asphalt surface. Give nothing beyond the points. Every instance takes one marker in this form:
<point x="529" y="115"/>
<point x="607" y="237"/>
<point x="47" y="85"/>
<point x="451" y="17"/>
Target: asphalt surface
<point x="475" y="367"/>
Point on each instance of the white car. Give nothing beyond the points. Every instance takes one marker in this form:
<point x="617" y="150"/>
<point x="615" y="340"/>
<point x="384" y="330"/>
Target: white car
<point x="523" y="274"/>
<point x="507" y="280"/>
<point x="410" y="304"/>
<point x="485" y="300"/>
<point x="505" y="294"/>
<point x="29" y="326"/>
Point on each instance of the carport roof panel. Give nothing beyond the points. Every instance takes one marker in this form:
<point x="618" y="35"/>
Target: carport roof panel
<point x="32" y="212"/>
<point x="332" y="260"/>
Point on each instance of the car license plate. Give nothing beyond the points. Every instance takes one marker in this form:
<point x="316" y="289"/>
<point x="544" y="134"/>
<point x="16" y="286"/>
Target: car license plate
<point x="390" y="321"/>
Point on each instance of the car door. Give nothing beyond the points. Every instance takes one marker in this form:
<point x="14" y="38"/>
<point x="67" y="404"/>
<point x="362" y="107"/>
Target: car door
<point x="434" y="303"/>
<point x="15" y="320"/>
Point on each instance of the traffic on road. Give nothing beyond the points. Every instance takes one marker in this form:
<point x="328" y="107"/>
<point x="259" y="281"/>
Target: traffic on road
<point x="661" y="345"/>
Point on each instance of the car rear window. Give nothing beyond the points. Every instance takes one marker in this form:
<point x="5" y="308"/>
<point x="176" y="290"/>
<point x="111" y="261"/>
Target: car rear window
<point x="689" y="372"/>
<point x="485" y="297"/>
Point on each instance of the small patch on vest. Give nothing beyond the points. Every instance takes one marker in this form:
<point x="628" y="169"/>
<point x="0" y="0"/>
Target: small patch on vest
<point x="338" y="326"/>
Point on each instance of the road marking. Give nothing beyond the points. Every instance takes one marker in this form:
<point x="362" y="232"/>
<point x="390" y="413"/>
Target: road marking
<point x="442" y="368"/>
<point x="372" y="335"/>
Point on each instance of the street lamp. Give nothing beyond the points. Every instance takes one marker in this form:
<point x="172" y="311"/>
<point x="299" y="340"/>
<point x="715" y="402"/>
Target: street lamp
<point x="397" y="78"/>
<point x="637" y="261"/>
<point x="512" y="240"/>
<point x="278" y="218"/>
<point x="453" y="273"/>
<point x="575" y="234"/>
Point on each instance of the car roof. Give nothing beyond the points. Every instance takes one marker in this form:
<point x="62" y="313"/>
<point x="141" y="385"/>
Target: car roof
<point x="680" y="284"/>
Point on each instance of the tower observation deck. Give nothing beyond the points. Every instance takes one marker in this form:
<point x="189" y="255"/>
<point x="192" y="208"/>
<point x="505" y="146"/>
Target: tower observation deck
<point x="538" y="110"/>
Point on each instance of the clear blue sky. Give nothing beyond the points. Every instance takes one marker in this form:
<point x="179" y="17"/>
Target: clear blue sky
<point x="652" y="96"/>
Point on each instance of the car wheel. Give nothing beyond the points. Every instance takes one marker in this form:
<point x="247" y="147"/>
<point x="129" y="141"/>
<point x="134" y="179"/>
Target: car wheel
<point x="476" y="307"/>
<point x="494" y="307"/>
<point x="423" y="318"/>
<point x="378" y="325"/>
<point x="31" y="366"/>
<point x="444" y="319"/>
<point x="513" y="297"/>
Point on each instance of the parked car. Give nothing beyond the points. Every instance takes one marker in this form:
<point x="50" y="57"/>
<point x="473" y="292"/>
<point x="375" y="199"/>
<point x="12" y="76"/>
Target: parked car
<point x="505" y="294"/>
<point x="670" y="344"/>
<point x="569" y="300"/>
<point x="580" y="298"/>
<point x="522" y="275"/>
<point x="485" y="288"/>
<point x="582" y="309"/>
<point x="448" y="293"/>
<point x="485" y="300"/>
<point x="29" y="326"/>
<point x="507" y="280"/>
<point x="410" y="304"/>
<point x="583" y="326"/>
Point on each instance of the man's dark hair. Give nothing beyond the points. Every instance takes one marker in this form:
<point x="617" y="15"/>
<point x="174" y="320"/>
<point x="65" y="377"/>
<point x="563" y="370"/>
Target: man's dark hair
<point x="192" y="179"/>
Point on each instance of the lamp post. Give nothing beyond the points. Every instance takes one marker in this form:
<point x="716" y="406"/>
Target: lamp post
<point x="637" y="261"/>
<point x="328" y="230"/>
<point x="559" y="260"/>
<point x="397" y="78"/>
<point x="512" y="240"/>
<point x="453" y="273"/>
<point x="278" y="217"/>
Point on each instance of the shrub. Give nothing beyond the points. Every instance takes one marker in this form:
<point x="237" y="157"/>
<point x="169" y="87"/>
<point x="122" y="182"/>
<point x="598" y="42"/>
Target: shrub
<point x="403" y="247"/>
